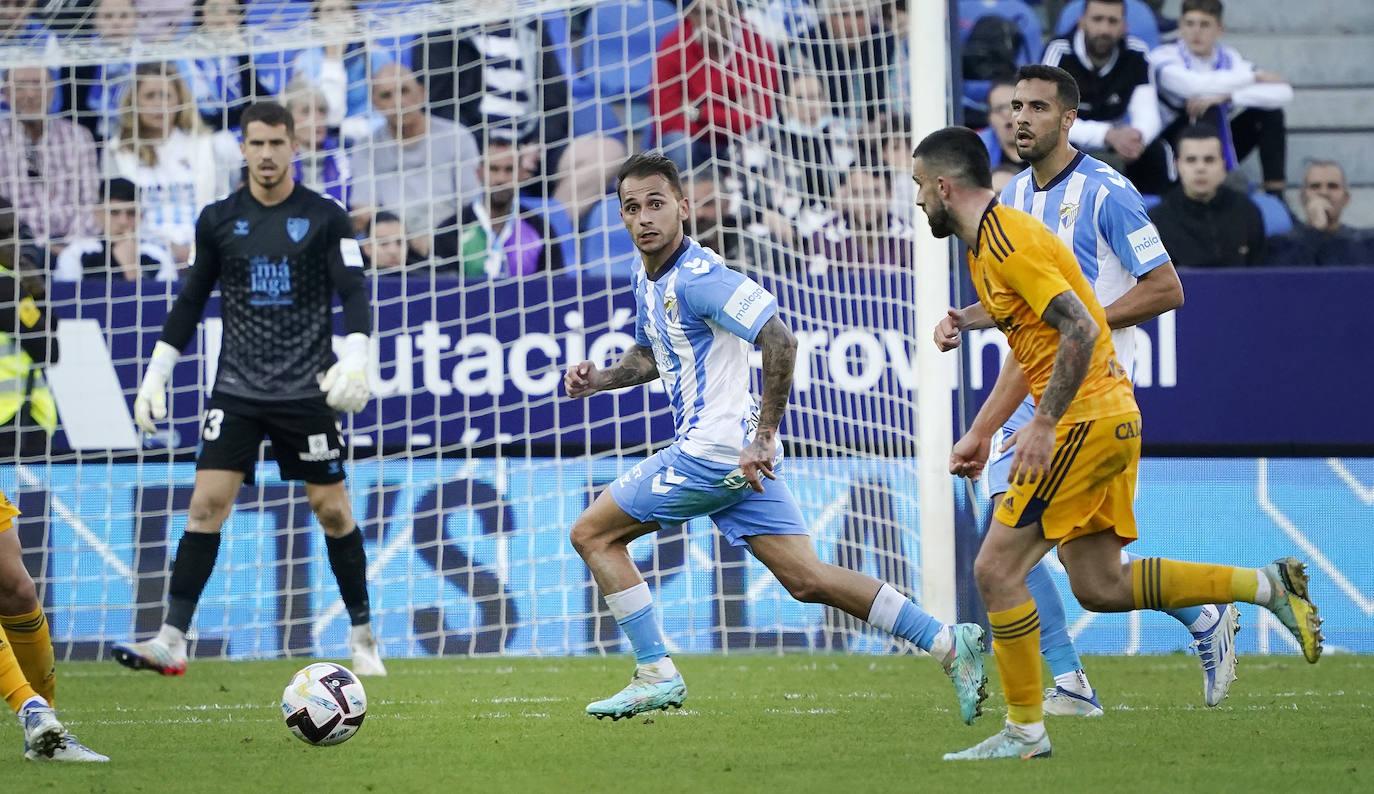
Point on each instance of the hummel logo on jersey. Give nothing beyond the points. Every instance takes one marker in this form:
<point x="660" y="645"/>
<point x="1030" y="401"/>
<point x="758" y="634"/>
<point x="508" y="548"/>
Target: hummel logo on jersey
<point x="1114" y="177"/>
<point x="240" y="228"/>
<point x="296" y="228"/>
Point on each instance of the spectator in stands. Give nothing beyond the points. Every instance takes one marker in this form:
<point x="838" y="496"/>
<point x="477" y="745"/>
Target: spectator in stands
<point x="1202" y="222"/>
<point x="491" y="238"/>
<point x="1321" y="239"/>
<point x="162" y="148"/>
<point x="385" y="246"/>
<point x="1003" y="174"/>
<point x="420" y="165"/>
<point x="852" y="52"/>
<point x="894" y="143"/>
<point x="1118" y="115"/>
<point x="118" y="252"/>
<point x="340" y="70"/>
<point x="98" y="90"/>
<point x="714" y="80"/>
<point x="500" y="80"/>
<point x="321" y="163"/>
<point x="18" y="24"/>
<point x="584" y="175"/>
<point x="794" y="183"/>
<point x="864" y="231"/>
<point x="47" y="163"/>
<point x="1200" y="79"/>
<point x="222" y="84"/>
<point x="163" y="20"/>
<point x="710" y="222"/>
<point x="18" y="250"/>
<point x="1000" y="135"/>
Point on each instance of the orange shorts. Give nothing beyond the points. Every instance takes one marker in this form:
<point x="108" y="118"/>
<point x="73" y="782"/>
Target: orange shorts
<point x="1090" y="486"/>
<point x="7" y="512"/>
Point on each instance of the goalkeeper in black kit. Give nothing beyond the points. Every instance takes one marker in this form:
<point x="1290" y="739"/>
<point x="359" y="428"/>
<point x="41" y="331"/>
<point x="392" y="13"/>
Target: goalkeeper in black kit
<point x="279" y="252"/>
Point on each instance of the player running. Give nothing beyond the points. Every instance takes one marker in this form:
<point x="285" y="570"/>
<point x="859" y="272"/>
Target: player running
<point x="1073" y="474"/>
<point x="694" y="323"/>
<point x="1102" y="218"/>
<point x="279" y="252"/>
<point x="28" y="677"/>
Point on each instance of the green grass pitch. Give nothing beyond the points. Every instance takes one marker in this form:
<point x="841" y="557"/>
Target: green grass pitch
<point x="828" y="723"/>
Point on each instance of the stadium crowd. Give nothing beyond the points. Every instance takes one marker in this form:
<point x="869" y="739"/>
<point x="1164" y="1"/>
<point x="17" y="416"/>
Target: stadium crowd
<point x="489" y="151"/>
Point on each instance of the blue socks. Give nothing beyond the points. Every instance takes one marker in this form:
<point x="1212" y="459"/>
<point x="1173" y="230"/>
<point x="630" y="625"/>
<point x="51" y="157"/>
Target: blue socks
<point x="1055" y="644"/>
<point x="634" y="611"/>
<point x="894" y="613"/>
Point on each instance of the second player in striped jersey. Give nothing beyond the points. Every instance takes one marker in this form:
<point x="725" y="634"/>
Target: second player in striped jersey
<point x="1102" y="218"/>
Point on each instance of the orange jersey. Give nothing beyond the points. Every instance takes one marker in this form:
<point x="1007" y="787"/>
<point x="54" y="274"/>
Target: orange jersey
<point x="1018" y="266"/>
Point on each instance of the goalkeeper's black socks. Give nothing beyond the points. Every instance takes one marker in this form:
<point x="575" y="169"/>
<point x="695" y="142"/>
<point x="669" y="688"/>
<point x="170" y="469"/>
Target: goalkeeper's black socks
<point x="191" y="569"/>
<point x="349" y="563"/>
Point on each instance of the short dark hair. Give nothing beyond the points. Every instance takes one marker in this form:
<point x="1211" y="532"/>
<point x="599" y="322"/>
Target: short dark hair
<point x="996" y="84"/>
<point x="644" y="164"/>
<point x="1121" y="3"/>
<point x="385" y="216"/>
<point x="1066" y="88"/>
<point x="1199" y="131"/>
<point x="957" y="152"/>
<point x="270" y="113"/>
<point x="119" y="189"/>
<point x="1209" y="7"/>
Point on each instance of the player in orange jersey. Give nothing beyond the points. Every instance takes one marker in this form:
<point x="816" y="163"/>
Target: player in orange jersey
<point x="1074" y="471"/>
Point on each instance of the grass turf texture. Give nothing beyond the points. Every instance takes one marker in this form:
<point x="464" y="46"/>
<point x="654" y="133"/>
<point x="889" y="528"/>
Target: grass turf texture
<point x="751" y="723"/>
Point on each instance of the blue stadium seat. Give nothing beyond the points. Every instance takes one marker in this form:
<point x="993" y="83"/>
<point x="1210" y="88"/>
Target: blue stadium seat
<point x="556" y="220"/>
<point x="970" y="11"/>
<point x="1277" y="219"/>
<point x="606" y="245"/>
<point x="1140" y="21"/>
<point x="621" y="40"/>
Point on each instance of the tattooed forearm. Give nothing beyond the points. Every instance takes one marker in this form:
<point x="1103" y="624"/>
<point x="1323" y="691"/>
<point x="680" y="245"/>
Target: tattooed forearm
<point x="779" y="362"/>
<point x="635" y="367"/>
<point x="1077" y="335"/>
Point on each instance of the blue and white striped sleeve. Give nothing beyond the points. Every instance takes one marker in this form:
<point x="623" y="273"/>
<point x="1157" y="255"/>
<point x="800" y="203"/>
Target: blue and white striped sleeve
<point x="732" y="300"/>
<point x="1130" y="232"/>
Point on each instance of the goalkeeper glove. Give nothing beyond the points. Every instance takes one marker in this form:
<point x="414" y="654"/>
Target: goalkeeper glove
<point x="345" y="384"/>
<point x="151" y="403"/>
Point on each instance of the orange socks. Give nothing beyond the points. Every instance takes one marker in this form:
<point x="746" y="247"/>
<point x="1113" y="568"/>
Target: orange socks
<point x="13" y="685"/>
<point x="1157" y="583"/>
<point x="32" y="644"/>
<point x="1016" y="642"/>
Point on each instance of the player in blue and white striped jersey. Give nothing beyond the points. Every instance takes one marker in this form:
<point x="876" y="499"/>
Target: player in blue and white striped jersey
<point x="696" y="320"/>
<point x="1101" y="216"/>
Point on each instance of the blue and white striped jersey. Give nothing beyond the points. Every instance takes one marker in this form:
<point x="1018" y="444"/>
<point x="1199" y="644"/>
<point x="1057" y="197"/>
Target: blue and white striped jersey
<point x="1100" y="215"/>
<point x="700" y="318"/>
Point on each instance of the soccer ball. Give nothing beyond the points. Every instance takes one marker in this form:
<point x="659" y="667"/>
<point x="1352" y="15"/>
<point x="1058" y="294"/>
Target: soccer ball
<point x="324" y="704"/>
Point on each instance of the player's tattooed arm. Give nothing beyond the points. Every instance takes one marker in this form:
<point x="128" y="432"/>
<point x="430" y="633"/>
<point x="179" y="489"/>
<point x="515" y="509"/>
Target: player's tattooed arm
<point x="779" y="362"/>
<point x="1077" y="334"/>
<point x="635" y="367"/>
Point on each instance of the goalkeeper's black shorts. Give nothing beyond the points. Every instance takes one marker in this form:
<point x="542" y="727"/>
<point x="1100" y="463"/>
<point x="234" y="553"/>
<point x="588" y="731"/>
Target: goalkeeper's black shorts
<point x="305" y="435"/>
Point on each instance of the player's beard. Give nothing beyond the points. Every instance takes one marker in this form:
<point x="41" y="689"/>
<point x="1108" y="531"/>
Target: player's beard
<point x="267" y="183"/>
<point x="1041" y="146"/>
<point x="941" y="224"/>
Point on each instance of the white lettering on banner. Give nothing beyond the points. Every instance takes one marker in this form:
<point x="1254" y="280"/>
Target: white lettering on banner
<point x="493" y="382"/>
<point x="520" y="363"/>
<point x="855" y="360"/>
<point x="430" y="343"/>
<point x="868" y="367"/>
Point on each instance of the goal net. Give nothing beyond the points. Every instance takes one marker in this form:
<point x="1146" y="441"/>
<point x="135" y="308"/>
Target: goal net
<point x="476" y="144"/>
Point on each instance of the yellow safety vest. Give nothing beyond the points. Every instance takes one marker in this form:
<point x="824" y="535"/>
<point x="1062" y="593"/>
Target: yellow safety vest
<point x="15" y="378"/>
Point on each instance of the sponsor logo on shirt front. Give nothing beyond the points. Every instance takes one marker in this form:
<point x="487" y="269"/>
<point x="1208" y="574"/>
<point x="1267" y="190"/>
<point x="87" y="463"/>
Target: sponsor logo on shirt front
<point x="269" y="282"/>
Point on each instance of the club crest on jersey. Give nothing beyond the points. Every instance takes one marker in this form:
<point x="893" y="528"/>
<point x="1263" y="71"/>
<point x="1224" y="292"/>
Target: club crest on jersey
<point x="670" y="307"/>
<point x="1067" y="213"/>
<point x="296" y="228"/>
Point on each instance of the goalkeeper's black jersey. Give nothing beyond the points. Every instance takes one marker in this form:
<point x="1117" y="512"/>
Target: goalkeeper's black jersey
<point x="277" y="268"/>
